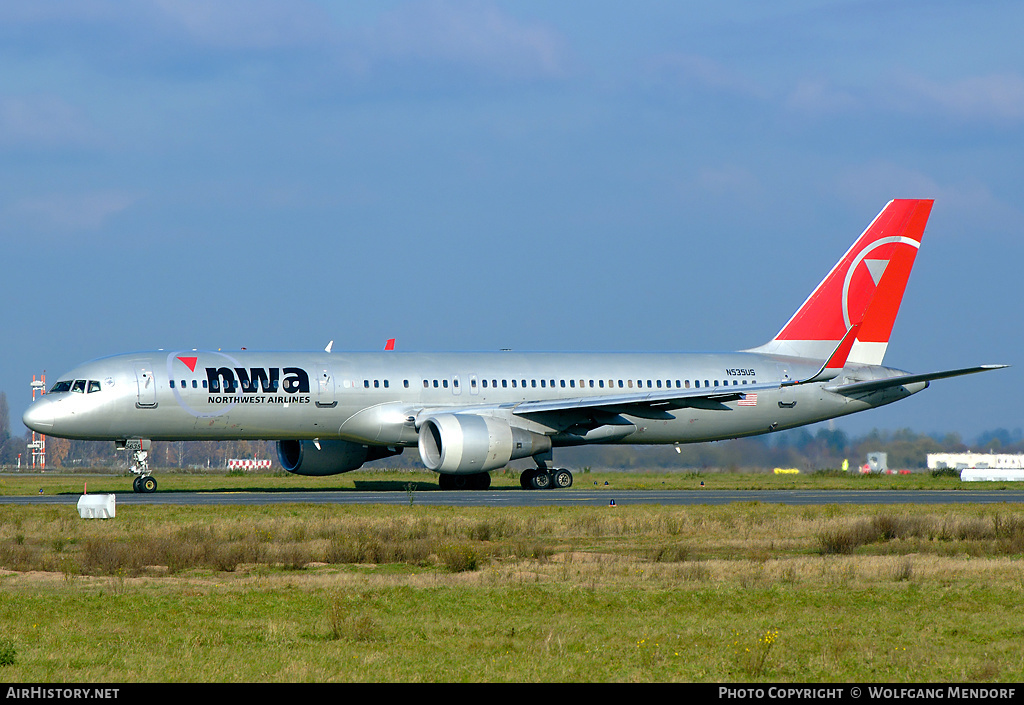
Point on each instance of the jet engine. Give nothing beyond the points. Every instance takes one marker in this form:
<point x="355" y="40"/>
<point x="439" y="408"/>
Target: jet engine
<point x="332" y="458"/>
<point x="469" y="443"/>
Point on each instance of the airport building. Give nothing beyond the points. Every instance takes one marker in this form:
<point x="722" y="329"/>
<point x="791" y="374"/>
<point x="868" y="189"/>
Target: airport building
<point x="960" y="461"/>
<point x="974" y="467"/>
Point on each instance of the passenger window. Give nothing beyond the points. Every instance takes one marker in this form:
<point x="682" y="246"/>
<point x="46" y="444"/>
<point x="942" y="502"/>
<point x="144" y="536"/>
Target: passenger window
<point x="444" y="383"/>
<point x="184" y="385"/>
<point x="696" y="383"/>
<point x="513" y="384"/>
<point x="196" y="386"/>
<point x="426" y="384"/>
<point x="504" y="384"/>
<point x="171" y="382"/>
<point x="600" y="383"/>
<point x="572" y="383"/>
<point x="629" y="383"/>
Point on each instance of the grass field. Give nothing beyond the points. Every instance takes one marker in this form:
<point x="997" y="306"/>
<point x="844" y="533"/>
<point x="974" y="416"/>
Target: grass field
<point x="745" y="592"/>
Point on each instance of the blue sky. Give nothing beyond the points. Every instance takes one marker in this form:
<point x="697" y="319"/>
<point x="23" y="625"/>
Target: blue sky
<point x="484" y="175"/>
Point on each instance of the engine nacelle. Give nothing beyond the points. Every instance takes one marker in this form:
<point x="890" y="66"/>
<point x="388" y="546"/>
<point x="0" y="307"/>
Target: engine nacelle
<point x="333" y="457"/>
<point x="468" y="443"/>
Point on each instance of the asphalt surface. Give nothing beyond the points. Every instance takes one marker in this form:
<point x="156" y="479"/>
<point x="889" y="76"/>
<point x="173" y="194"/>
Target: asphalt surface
<point x="536" y="498"/>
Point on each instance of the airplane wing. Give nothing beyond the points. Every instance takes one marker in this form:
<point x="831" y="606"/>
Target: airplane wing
<point x="900" y="380"/>
<point x="651" y="404"/>
<point x="595" y="411"/>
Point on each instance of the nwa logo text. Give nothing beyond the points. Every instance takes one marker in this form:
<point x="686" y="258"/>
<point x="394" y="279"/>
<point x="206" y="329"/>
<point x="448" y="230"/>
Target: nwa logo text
<point x="258" y="380"/>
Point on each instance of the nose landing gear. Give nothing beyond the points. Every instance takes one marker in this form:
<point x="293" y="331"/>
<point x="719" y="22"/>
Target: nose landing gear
<point x="139" y="447"/>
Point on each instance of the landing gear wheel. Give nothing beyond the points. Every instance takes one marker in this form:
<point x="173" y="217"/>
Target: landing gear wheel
<point x="147" y="484"/>
<point x="525" y="478"/>
<point x="135" y="485"/>
<point x="541" y="480"/>
<point x="562" y="479"/>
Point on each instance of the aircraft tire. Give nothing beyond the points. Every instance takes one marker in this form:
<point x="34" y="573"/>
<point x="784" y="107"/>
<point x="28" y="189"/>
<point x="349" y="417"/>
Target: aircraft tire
<point x="147" y="484"/>
<point x="135" y="484"/>
<point x="541" y="480"/>
<point x="526" y="478"/>
<point x="562" y="479"/>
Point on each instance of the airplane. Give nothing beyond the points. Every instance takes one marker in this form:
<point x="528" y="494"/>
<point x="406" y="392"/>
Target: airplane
<point x="471" y="413"/>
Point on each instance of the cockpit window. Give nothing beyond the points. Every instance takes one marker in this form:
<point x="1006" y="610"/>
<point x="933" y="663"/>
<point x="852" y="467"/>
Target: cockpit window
<point x="78" y="386"/>
<point x="94" y="386"/>
<point x="62" y="386"/>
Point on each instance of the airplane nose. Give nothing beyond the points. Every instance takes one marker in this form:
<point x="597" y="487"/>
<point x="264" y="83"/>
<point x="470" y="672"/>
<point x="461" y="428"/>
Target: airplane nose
<point x="39" y="416"/>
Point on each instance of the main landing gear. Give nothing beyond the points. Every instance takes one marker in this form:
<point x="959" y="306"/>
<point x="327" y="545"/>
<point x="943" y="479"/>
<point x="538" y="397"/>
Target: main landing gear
<point x="544" y="479"/>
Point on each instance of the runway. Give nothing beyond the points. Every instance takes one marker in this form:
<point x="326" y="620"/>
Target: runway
<point x="537" y="498"/>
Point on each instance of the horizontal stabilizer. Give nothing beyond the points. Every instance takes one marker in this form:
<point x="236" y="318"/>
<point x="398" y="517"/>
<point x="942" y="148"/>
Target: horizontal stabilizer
<point x="901" y="380"/>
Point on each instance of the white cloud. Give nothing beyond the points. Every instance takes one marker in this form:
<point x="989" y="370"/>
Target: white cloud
<point x="728" y="180"/>
<point x="970" y="203"/>
<point x="990" y="98"/>
<point x="46" y="121"/>
<point x="477" y="36"/>
<point x="691" y="70"/>
<point x="817" y="97"/>
<point x="63" y="212"/>
<point x="248" y="24"/>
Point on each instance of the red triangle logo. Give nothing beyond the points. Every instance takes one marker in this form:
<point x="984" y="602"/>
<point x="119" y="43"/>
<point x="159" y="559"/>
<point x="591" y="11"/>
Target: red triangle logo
<point x="190" y="362"/>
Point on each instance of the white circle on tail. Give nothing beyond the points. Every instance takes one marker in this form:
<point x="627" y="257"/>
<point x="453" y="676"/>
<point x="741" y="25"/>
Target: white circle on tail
<point x="875" y="277"/>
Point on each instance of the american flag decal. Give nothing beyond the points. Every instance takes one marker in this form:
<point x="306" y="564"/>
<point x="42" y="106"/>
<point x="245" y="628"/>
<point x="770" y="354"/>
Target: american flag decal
<point x="748" y="400"/>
